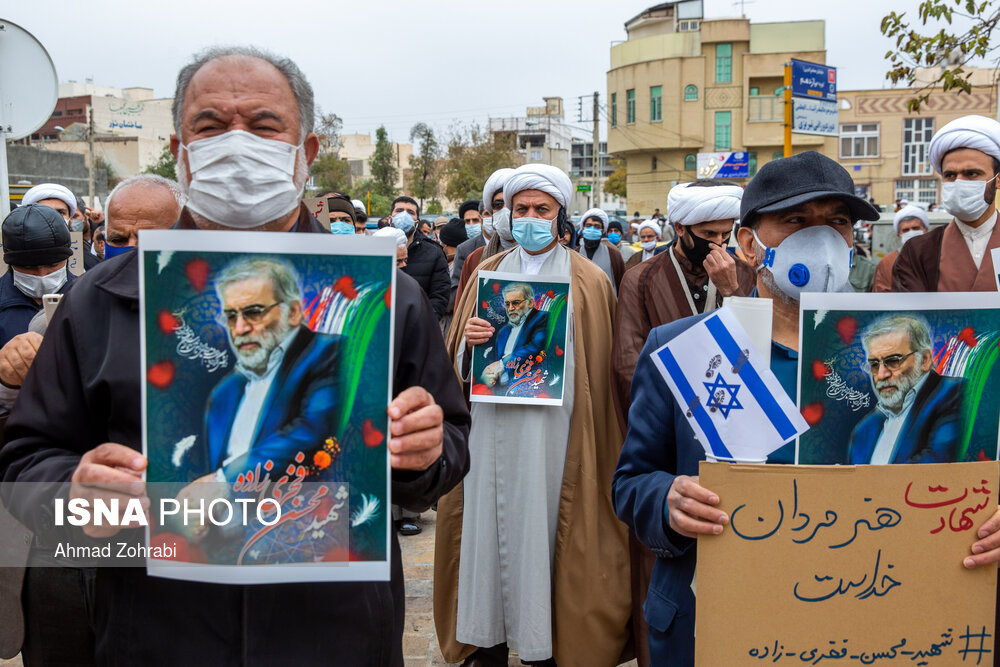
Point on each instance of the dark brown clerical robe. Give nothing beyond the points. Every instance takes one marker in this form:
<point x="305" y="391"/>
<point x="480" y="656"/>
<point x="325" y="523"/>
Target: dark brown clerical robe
<point x="940" y="261"/>
<point x="652" y="294"/>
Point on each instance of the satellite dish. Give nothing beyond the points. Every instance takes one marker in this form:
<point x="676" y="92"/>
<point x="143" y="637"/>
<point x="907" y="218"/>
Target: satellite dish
<point x="29" y="87"/>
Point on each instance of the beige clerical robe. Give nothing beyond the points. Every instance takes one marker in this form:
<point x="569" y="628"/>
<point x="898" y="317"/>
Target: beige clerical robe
<point x="590" y="580"/>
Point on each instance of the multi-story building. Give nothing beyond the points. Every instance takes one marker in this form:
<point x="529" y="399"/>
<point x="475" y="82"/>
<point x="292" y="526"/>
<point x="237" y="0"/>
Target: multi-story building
<point x="358" y="149"/>
<point x="131" y="126"/>
<point x="682" y="84"/>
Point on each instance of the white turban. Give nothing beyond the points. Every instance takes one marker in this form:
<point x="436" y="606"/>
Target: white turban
<point x="909" y="211"/>
<point x="596" y="213"/>
<point x="50" y="191"/>
<point x="495" y="182"/>
<point x="978" y="132"/>
<point x="393" y="233"/>
<point x="689" y="204"/>
<point x="650" y="224"/>
<point x="358" y="204"/>
<point x="550" y="180"/>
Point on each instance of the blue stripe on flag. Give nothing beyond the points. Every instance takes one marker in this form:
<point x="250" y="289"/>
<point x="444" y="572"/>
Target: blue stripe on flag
<point x="692" y="403"/>
<point x="751" y="379"/>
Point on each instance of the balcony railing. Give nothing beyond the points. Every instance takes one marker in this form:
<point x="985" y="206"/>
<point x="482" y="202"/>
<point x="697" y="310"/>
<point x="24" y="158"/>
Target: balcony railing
<point x="765" y="109"/>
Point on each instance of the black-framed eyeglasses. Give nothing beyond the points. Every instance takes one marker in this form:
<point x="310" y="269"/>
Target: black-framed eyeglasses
<point x="514" y="304"/>
<point x="892" y="363"/>
<point x="251" y="314"/>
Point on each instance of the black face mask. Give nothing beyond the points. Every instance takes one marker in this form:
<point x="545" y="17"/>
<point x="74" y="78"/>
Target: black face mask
<point x="697" y="248"/>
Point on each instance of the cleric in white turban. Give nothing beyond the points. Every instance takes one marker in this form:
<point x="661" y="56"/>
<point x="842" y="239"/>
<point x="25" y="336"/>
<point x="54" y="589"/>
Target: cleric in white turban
<point x="496" y="558"/>
<point x="596" y="247"/>
<point x="54" y="196"/>
<point x="650" y="234"/>
<point x="908" y="223"/>
<point x="957" y="256"/>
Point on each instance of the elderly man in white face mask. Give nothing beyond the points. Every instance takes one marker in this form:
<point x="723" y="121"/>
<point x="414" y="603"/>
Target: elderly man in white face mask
<point x="956" y="257"/>
<point x="909" y="222"/>
<point x="536" y="470"/>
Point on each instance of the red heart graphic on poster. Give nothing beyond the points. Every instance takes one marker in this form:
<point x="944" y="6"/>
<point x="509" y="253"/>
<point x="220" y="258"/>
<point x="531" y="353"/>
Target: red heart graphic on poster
<point x="388" y="298"/>
<point x="550" y="294"/>
<point x="559" y="351"/>
<point x="496" y="288"/>
<point x="161" y="374"/>
<point x="168" y="323"/>
<point x="813" y="413"/>
<point x="345" y="286"/>
<point x="485" y="305"/>
<point x="197" y="271"/>
<point x="371" y="435"/>
<point x="968" y="336"/>
<point x="820" y="370"/>
<point x="846" y="328"/>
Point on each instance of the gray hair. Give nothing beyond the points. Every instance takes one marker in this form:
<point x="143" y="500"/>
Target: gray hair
<point x="920" y="337"/>
<point x="284" y="280"/>
<point x="523" y="288"/>
<point x="146" y="181"/>
<point x="293" y="75"/>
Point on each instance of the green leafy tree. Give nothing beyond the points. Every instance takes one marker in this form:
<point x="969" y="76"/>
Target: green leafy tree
<point x="424" y="166"/>
<point x="473" y="154"/>
<point x="331" y="173"/>
<point x="367" y="192"/>
<point x="616" y="183"/>
<point x="165" y="166"/>
<point x="383" y="165"/>
<point x="433" y="206"/>
<point x="935" y="43"/>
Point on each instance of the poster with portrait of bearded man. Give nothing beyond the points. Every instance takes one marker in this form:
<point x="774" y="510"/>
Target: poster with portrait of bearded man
<point x="899" y="378"/>
<point x="268" y="376"/>
<point x="525" y="359"/>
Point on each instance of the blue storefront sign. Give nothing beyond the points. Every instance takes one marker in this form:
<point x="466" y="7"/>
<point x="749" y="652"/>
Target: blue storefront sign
<point x="723" y="165"/>
<point x="814" y="81"/>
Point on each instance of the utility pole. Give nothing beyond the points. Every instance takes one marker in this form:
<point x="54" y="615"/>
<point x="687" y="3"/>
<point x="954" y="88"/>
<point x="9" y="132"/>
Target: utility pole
<point x="596" y="190"/>
<point x="90" y="151"/>
<point x="788" y="110"/>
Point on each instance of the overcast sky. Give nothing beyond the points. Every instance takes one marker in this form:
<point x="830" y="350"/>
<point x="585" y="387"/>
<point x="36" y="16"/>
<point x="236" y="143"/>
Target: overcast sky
<point x="397" y="63"/>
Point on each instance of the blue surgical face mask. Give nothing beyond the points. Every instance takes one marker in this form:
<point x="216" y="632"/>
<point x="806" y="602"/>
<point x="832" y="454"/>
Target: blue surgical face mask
<point x="472" y="231"/>
<point x="113" y="250"/>
<point x="592" y="234"/>
<point x="532" y="234"/>
<point x="341" y="227"/>
<point x="614" y="237"/>
<point x="403" y="221"/>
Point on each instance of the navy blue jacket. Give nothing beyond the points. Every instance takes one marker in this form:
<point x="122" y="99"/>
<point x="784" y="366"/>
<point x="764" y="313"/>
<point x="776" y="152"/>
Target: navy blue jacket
<point x="931" y="433"/>
<point x="530" y="340"/>
<point x="301" y="409"/>
<point x="17" y="308"/>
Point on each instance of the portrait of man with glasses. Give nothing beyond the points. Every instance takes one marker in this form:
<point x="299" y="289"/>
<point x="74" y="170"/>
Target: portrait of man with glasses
<point x="917" y="415"/>
<point x="282" y="395"/>
<point x="524" y="337"/>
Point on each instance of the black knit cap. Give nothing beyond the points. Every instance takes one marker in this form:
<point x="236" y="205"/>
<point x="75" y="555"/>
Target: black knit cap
<point x="453" y="233"/>
<point x="35" y="235"/>
<point x="791" y="181"/>
<point x="468" y="206"/>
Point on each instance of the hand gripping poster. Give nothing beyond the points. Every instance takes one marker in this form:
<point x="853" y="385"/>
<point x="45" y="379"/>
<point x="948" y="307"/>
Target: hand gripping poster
<point x="267" y="362"/>
<point x="525" y="360"/>
<point x="899" y="378"/>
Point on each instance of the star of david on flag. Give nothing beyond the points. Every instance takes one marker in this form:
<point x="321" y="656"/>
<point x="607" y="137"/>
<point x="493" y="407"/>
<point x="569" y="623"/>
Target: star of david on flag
<point x="733" y="401"/>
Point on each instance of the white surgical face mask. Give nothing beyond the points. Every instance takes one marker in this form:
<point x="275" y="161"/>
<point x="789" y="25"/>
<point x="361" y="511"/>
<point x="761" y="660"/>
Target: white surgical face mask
<point x="241" y="180"/>
<point x="648" y="246"/>
<point x="909" y="235"/>
<point x="38" y="286"/>
<point x="814" y="259"/>
<point x="488" y="228"/>
<point x="965" y="199"/>
<point x="501" y="222"/>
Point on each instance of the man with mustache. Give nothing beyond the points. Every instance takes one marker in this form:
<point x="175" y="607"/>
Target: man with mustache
<point x="917" y="417"/>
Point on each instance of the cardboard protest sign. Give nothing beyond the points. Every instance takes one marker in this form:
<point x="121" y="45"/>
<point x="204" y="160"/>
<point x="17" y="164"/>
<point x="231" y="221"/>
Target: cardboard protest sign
<point x="862" y="564"/>
<point x="734" y="402"/>
<point x="318" y="207"/>
<point x="268" y="361"/>
<point x="919" y="369"/>
<point x="525" y="361"/>
<point x="75" y="261"/>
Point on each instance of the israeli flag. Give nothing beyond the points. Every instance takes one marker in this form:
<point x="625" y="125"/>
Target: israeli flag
<point x="732" y="400"/>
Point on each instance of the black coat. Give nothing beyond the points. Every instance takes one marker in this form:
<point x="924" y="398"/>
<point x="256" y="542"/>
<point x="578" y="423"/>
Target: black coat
<point x="426" y="263"/>
<point x="83" y="390"/>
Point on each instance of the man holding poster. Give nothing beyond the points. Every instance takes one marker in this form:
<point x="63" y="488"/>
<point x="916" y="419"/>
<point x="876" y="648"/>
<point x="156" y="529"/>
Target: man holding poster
<point x="247" y="112"/>
<point x="529" y="554"/>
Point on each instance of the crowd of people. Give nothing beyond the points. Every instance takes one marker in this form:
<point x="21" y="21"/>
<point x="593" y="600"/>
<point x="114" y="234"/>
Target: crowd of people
<point x="565" y="533"/>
